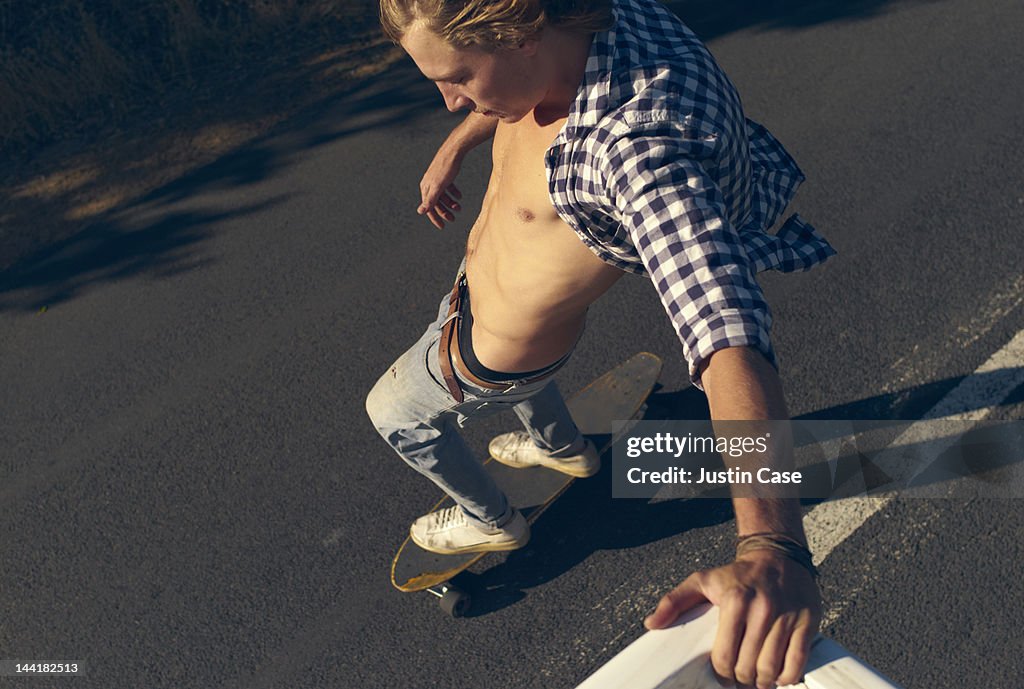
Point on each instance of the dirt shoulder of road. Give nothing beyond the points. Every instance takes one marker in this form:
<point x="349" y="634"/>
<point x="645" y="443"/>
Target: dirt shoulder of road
<point x="49" y="195"/>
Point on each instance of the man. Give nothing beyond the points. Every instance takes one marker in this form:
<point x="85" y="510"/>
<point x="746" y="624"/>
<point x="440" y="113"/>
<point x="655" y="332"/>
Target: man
<point x="619" y="146"/>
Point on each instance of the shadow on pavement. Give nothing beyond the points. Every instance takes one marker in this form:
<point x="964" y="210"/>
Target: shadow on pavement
<point x="585" y="520"/>
<point x="110" y="248"/>
<point x="104" y="249"/>
<point x="391" y="99"/>
<point x="109" y="252"/>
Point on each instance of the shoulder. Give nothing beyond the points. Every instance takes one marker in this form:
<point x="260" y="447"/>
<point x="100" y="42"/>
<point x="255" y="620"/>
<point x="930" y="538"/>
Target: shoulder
<point x="658" y="71"/>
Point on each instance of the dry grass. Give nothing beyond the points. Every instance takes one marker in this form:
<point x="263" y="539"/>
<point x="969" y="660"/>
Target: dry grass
<point x="68" y="65"/>
<point x="101" y="103"/>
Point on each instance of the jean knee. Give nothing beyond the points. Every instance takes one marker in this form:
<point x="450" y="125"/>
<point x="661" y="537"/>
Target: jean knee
<point x="413" y="440"/>
<point x="392" y="411"/>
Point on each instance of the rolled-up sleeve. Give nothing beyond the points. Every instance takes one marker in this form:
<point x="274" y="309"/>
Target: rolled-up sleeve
<point x="677" y="219"/>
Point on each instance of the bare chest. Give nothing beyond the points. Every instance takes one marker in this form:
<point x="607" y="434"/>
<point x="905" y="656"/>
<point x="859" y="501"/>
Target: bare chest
<point x="517" y="211"/>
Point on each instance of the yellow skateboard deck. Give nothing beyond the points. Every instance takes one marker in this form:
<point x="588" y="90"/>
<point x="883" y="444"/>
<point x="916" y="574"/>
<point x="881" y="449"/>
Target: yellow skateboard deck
<point x="617" y="395"/>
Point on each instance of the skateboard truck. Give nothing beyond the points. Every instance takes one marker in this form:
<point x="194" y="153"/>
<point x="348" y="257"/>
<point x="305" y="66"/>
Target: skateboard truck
<point x="453" y="600"/>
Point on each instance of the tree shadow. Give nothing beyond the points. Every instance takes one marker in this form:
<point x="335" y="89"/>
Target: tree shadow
<point x="396" y="96"/>
<point x="109" y="248"/>
<point x="107" y="253"/>
<point x="586" y="520"/>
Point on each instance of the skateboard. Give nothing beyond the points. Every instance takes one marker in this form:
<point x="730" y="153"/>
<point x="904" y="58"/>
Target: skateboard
<point x="679" y="658"/>
<point x="617" y="395"/>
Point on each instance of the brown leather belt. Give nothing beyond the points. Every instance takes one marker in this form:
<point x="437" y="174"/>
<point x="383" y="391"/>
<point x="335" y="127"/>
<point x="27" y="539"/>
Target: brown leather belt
<point x="450" y="356"/>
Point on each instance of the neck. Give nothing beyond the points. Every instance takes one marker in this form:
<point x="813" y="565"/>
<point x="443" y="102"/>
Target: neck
<point x="567" y="59"/>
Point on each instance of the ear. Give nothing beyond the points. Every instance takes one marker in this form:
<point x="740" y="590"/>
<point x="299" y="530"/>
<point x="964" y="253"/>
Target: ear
<point x="528" y="48"/>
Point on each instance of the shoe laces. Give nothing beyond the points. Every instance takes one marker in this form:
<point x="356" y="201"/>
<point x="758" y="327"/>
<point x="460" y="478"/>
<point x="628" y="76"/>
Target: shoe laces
<point x="520" y="442"/>
<point x="450" y="517"/>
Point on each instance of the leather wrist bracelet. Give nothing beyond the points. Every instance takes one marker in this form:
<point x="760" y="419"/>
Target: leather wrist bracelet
<point x="780" y="543"/>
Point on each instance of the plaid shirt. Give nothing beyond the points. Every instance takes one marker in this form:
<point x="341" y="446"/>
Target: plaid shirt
<point x="660" y="174"/>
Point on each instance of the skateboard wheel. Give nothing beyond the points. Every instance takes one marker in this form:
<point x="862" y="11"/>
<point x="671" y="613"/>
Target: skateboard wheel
<point x="455" y="601"/>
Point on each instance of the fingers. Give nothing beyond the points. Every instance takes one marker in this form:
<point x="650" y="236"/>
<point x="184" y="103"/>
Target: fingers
<point x="677" y="601"/>
<point x="799" y="651"/>
<point x="442" y="212"/>
<point x="437" y="215"/>
<point x="448" y="202"/>
<point x="435" y="219"/>
<point x="767" y="620"/>
<point x="753" y="644"/>
<point x="760" y="620"/>
<point x="440" y="208"/>
<point x="732" y="622"/>
<point x="432" y="196"/>
<point x="768" y="665"/>
<point x="442" y="202"/>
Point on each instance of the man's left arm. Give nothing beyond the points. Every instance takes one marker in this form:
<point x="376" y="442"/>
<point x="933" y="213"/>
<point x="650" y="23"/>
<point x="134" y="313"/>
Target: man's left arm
<point x="658" y="177"/>
<point x="770" y="606"/>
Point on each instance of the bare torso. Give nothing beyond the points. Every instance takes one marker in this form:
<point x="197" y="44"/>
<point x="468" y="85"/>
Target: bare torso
<point x="530" y="276"/>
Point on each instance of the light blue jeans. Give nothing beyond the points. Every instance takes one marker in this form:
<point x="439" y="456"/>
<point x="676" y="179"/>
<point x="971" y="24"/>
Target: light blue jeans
<point x="412" y="409"/>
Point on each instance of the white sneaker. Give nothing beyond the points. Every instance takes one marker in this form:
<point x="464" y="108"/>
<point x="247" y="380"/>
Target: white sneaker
<point x="517" y="449"/>
<point x="449" y="532"/>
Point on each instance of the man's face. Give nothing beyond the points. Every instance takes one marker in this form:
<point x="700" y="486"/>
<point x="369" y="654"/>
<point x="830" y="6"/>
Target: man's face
<point x="505" y="83"/>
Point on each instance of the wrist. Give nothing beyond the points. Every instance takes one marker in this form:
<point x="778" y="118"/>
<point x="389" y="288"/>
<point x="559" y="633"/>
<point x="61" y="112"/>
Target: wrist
<point x="770" y="558"/>
<point x="765" y="545"/>
<point x="794" y="536"/>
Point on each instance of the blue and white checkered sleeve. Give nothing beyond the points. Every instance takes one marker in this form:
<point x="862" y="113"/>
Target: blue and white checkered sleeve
<point x="676" y="217"/>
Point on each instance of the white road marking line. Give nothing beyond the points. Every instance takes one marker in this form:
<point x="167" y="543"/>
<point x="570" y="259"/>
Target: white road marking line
<point x="831" y="523"/>
<point x="913" y="366"/>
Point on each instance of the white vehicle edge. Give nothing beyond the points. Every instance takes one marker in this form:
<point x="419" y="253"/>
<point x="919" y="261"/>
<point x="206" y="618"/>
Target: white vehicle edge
<point x="678" y="658"/>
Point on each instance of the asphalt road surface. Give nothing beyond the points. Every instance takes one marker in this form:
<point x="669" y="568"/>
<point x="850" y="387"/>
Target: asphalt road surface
<point x="192" y="496"/>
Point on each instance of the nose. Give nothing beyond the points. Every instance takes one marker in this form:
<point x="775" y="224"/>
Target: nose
<point x="453" y="100"/>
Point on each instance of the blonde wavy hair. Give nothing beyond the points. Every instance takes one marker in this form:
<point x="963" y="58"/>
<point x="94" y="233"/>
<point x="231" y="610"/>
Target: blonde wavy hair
<point x="493" y="24"/>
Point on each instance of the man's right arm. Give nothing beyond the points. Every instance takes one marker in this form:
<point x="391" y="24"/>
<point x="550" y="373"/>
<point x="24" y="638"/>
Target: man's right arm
<point x="439" y="195"/>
